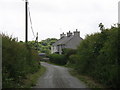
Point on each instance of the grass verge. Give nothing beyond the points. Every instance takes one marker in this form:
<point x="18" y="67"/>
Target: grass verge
<point x="87" y="80"/>
<point x="32" y="78"/>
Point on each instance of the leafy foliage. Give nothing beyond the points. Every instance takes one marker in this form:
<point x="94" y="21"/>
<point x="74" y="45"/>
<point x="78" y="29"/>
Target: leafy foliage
<point x="44" y="46"/>
<point x="68" y="52"/>
<point x="98" y="57"/>
<point x="73" y="59"/>
<point x="18" y="60"/>
<point x="57" y="59"/>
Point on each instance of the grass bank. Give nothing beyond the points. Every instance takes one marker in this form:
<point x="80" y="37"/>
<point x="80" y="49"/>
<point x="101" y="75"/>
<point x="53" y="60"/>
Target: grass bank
<point x="32" y="78"/>
<point x="90" y="82"/>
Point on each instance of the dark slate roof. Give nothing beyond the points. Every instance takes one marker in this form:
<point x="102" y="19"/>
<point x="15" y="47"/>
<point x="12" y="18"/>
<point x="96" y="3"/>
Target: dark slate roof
<point x="63" y="40"/>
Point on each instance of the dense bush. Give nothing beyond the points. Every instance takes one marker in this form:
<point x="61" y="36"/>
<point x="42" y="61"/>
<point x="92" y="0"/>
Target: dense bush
<point x="67" y="53"/>
<point x="18" y="60"/>
<point x="98" y="57"/>
<point x="57" y="59"/>
<point x="73" y="59"/>
<point x="62" y="59"/>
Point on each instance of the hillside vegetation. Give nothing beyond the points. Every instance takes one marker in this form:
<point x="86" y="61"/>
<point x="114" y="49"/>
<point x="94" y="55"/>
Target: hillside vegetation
<point x="18" y="61"/>
<point x="43" y="46"/>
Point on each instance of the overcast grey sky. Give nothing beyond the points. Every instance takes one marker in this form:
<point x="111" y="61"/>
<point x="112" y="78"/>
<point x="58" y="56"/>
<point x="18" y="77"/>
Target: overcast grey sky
<point x="52" y="17"/>
<point x="119" y="13"/>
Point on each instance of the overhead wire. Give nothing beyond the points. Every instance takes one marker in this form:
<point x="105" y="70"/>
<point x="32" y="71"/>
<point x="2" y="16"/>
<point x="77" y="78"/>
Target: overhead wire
<point x="35" y="37"/>
<point x="31" y="21"/>
<point x="30" y="18"/>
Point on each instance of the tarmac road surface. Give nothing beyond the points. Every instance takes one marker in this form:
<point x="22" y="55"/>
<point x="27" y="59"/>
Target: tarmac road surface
<point x="58" y="77"/>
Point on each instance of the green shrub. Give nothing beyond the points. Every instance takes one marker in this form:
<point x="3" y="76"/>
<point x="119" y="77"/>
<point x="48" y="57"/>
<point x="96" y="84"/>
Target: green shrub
<point x="109" y="59"/>
<point x="57" y="59"/>
<point x="73" y="59"/>
<point x="98" y="57"/>
<point x="67" y="53"/>
<point x="18" y="60"/>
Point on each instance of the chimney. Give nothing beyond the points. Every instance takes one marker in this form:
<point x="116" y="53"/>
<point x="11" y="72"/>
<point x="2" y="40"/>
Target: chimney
<point x="76" y="33"/>
<point x="69" y="34"/>
<point x="62" y="35"/>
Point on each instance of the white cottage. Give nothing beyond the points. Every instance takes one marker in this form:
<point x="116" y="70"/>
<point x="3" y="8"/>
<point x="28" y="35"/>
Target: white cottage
<point x="70" y="41"/>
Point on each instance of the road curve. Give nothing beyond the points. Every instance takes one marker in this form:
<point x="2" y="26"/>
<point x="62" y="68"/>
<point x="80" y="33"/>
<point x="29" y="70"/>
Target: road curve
<point x="58" y="77"/>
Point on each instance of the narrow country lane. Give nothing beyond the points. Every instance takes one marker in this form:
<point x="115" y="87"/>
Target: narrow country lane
<point x="58" y="77"/>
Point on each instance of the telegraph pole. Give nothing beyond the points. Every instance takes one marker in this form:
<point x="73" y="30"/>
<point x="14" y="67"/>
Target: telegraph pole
<point x="26" y="21"/>
<point x="37" y="40"/>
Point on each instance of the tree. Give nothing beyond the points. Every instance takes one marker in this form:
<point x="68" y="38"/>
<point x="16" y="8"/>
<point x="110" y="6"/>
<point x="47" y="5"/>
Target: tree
<point x="101" y="27"/>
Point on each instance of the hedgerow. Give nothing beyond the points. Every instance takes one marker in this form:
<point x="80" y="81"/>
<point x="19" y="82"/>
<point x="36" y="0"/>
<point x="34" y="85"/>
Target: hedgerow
<point x="18" y="60"/>
<point x="98" y="57"/>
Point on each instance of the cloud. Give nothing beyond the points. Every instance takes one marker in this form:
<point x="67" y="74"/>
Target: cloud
<point x="119" y="12"/>
<point x="48" y="16"/>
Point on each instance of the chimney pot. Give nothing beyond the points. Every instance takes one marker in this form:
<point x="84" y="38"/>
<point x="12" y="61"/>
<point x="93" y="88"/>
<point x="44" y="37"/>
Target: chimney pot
<point x="76" y="33"/>
<point x="69" y="34"/>
<point x="62" y="35"/>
